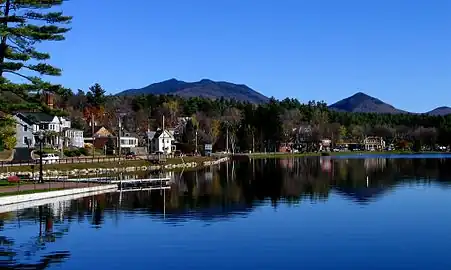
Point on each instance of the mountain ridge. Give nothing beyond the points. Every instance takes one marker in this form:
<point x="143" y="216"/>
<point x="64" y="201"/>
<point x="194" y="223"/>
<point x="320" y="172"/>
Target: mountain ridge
<point x="359" y="102"/>
<point x="363" y="103"/>
<point x="204" y="88"/>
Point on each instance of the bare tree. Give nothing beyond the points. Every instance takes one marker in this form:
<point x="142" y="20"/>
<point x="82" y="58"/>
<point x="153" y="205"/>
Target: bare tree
<point x="231" y="119"/>
<point x="291" y="119"/>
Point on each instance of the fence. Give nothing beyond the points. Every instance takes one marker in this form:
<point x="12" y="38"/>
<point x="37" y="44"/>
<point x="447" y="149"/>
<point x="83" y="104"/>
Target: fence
<point x="75" y="161"/>
<point x="28" y="185"/>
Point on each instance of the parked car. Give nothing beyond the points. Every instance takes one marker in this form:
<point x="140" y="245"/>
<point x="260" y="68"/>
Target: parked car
<point x="49" y="158"/>
<point x="130" y="155"/>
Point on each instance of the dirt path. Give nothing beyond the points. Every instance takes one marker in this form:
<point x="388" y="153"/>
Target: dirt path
<point x="48" y="185"/>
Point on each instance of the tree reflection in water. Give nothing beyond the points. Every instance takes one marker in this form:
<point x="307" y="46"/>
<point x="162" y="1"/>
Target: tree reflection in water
<point x="13" y="254"/>
<point x="229" y="190"/>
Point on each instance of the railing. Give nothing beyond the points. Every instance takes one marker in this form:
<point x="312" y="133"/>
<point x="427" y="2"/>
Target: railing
<point x="83" y="160"/>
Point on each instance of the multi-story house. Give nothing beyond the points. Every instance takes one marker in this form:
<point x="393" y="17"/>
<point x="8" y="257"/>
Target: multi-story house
<point x="73" y="138"/>
<point x="25" y="130"/>
<point x="57" y="130"/>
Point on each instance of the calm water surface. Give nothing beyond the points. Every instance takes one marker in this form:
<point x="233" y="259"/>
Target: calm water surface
<point x="310" y="213"/>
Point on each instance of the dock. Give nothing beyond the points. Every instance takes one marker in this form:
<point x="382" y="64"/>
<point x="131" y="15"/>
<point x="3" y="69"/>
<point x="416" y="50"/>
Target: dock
<point x="140" y="181"/>
<point x="143" y="189"/>
<point x="129" y="184"/>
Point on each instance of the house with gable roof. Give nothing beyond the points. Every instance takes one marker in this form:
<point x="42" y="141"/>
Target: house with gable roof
<point x="161" y="141"/>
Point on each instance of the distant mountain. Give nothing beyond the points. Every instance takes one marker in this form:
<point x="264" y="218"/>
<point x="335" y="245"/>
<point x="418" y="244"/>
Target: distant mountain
<point x="440" y="111"/>
<point x="204" y="88"/>
<point x="361" y="102"/>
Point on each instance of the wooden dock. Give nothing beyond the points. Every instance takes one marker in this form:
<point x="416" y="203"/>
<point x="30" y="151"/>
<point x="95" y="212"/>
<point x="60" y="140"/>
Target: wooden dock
<point x="143" y="189"/>
<point x="139" y="181"/>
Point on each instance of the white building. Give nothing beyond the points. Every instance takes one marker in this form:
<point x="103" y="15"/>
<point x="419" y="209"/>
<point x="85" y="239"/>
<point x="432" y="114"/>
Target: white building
<point x="25" y="130"/>
<point x="373" y="143"/>
<point x="128" y="141"/>
<point x="56" y="127"/>
<point x="161" y="141"/>
<point x="74" y="138"/>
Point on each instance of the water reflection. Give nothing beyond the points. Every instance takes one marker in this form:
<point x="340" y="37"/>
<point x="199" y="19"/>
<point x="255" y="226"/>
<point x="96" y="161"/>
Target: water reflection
<point x="28" y="255"/>
<point x="232" y="190"/>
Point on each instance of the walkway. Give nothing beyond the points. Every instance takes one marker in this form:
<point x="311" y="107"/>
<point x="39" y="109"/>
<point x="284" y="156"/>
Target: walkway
<point x="43" y="186"/>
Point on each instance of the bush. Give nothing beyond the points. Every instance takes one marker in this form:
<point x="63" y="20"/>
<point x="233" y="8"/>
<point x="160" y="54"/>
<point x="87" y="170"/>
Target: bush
<point x="83" y="151"/>
<point x="72" y="153"/>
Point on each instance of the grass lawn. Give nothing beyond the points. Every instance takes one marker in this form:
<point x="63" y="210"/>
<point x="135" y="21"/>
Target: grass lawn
<point x="24" y="192"/>
<point x="5" y="154"/>
<point x="285" y="155"/>
<point x="4" y="183"/>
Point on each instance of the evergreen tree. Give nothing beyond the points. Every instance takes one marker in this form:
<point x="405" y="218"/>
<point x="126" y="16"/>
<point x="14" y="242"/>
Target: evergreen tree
<point x="96" y="96"/>
<point x="95" y="100"/>
<point x="23" y="25"/>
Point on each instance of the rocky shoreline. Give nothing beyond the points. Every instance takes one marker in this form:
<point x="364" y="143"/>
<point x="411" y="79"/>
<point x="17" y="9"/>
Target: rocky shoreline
<point x="108" y="171"/>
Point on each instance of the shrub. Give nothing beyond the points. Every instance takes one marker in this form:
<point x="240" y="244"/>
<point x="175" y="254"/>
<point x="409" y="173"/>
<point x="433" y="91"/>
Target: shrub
<point x="83" y="151"/>
<point x="72" y="153"/>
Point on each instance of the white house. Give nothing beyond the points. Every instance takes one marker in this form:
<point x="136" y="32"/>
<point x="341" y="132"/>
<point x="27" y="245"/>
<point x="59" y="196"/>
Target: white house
<point x="373" y="143"/>
<point x="161" y="141"/>
<point x="74" y="138"/>
<point x="54" y="126"/>
<point x="128" y="141"/>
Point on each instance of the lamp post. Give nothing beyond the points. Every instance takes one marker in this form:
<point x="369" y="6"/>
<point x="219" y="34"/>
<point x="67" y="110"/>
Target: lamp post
<point x="196" y="143"/>
<point x="41" y="140"/>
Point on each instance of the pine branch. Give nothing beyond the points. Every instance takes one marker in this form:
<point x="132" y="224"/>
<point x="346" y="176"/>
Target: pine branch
<point x="24" y="23"/>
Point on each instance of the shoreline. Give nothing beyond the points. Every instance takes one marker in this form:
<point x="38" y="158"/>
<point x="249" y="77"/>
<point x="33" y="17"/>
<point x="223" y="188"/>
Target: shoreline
<point x="23" y="198"/>
<point x="93" y="171"/>
<point x="331" y="154"/>
<point x="173" y="163"/>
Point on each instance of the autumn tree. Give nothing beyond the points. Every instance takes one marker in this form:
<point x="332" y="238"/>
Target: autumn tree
<point x="7" y="132"/>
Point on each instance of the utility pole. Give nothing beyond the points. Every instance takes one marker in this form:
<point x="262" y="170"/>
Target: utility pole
<point x="148" y="131"/>
<point x="93" y="137"/>
<point x="227" y="138"/>
<point x="196" y="142"/>
<point x="162" y="133"/>
<point x="119" y="135"/>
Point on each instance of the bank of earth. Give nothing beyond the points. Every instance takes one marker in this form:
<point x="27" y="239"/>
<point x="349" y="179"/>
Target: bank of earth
<point x="315" y="154"/>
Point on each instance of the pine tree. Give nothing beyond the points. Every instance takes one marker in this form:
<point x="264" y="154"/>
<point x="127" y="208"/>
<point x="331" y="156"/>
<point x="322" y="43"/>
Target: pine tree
<point x="96" y="96"/>
<point x="23" y="25"/>
<point x="95" y="102"/>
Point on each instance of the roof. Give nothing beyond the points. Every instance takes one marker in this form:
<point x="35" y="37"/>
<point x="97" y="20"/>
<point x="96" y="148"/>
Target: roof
<point x="159" y="132"/>
<point x="150" y="134"/>
<point x="37" y="117"/>
<point x="99" y="132"/>
<point x="126" y="133"/>
<point x="25" y="119"/>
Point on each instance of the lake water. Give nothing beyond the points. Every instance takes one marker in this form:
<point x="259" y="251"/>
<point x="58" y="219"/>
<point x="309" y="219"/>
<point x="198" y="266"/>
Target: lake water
<point x="307" y="213"/>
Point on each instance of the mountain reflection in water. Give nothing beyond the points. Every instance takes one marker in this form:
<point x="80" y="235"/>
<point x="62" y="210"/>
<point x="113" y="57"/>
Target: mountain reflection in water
<point x="229" y="191"/>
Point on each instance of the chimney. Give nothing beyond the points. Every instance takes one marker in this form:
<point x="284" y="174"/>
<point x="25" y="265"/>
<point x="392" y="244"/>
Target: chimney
<point x="49" y="99"/>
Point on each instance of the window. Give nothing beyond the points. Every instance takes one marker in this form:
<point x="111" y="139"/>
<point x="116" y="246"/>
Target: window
<point x="25" y="128"/>
<point x="25" y="140"/>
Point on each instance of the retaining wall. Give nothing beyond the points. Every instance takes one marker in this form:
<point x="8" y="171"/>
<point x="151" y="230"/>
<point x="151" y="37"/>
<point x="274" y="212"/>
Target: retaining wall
<point x="15" y="199"/>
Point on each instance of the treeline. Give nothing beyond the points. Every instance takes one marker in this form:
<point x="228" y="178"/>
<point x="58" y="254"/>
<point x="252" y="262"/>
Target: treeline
<point x="250" y="126"/>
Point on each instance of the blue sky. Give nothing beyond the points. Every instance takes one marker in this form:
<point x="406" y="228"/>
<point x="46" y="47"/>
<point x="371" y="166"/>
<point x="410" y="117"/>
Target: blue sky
<point x="396" y="50"/>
